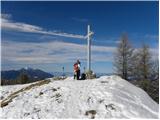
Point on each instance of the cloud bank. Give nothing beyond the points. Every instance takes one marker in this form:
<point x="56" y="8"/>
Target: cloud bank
<point x="8" y="24"/>
<point x="51" y="52"/>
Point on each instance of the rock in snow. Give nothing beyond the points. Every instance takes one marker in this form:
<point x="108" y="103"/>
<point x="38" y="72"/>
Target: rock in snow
<point x="104" y="97"/>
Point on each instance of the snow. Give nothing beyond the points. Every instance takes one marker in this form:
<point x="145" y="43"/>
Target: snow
<point x="7" y="90"/>
<point x="104" y="97"/>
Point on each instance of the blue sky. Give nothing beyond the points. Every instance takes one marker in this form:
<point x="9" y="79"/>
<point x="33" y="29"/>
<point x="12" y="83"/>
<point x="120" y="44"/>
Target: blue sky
<point x="29" y="32"/>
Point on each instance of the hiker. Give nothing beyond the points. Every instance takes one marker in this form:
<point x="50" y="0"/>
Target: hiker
<point x="77" y="70"/>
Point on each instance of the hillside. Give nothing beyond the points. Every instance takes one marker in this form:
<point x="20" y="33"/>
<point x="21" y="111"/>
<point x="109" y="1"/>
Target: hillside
<point x="33" y="74"/>
<point x="104" y="97"/>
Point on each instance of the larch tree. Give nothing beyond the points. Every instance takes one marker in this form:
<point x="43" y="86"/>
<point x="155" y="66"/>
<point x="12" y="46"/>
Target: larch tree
<point x="144" y="63"/>
<point x="123" y="58"/>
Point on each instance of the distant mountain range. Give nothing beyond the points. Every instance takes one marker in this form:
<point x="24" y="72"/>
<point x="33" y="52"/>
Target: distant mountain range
<point x="35" y="74"/>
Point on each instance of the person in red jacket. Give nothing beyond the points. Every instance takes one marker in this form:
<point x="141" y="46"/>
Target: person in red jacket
<point x="77" y="66"/>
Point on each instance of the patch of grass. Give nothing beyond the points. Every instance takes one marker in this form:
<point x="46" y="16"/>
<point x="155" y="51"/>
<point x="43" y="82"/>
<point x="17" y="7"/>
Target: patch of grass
<point x="41" y="93"/>
<point x="88" y="100"/>
<point x="100" y="101"/>
<point x="59" y="78"/>
<point x="58" y="95"/>
<point x="104" y="81"/>
<point x="110" y="106"/>
<point x="54" y="89"/>
<point x="92" y="113"/>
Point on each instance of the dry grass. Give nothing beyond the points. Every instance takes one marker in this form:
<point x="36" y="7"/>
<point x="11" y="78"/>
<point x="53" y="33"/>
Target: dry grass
<point x="9" y="99"/>
<point x="59" y="78"/>
<point x="92" y="113"/>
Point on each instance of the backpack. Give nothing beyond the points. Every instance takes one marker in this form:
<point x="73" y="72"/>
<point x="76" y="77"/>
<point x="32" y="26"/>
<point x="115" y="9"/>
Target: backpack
<point x="83" y="77"/>
<point x="76" y="67"/>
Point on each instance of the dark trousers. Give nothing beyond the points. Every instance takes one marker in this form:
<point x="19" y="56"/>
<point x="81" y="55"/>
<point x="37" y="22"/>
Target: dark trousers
<point x="78" y="74"/>
<point x="75" y="76"/>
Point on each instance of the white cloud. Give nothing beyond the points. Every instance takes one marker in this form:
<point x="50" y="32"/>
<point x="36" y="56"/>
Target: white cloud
<point x="109" y="40"/>
<point x="20" y="26"/>
<point x="151" y="37"/>
<point x="23" y="27"/>
<point x="52" y="52"/>
<point x="103" y="49"/>
<point x="48" y="52"/>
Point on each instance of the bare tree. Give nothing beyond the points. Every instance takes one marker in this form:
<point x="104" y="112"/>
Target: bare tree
<point x="144" y="63"/>
<point x="123" y="58"/>
<point x="148" y="72"/>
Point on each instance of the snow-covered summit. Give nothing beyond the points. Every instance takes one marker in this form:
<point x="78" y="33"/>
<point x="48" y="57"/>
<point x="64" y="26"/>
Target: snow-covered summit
<point x="104" y="97"/>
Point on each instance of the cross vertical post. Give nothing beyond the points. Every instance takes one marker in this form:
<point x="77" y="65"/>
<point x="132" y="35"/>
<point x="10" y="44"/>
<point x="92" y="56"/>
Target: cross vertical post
<point x="89" y="33"/>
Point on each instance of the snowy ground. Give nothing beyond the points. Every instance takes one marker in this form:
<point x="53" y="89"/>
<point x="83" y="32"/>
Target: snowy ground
<point x="7" y="90"/>
<point x="105" y="97"/>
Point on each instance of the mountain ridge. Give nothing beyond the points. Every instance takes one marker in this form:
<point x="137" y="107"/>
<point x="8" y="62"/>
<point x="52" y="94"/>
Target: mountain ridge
<point x="104" y="97"/>
<point x="32" y="73"/>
